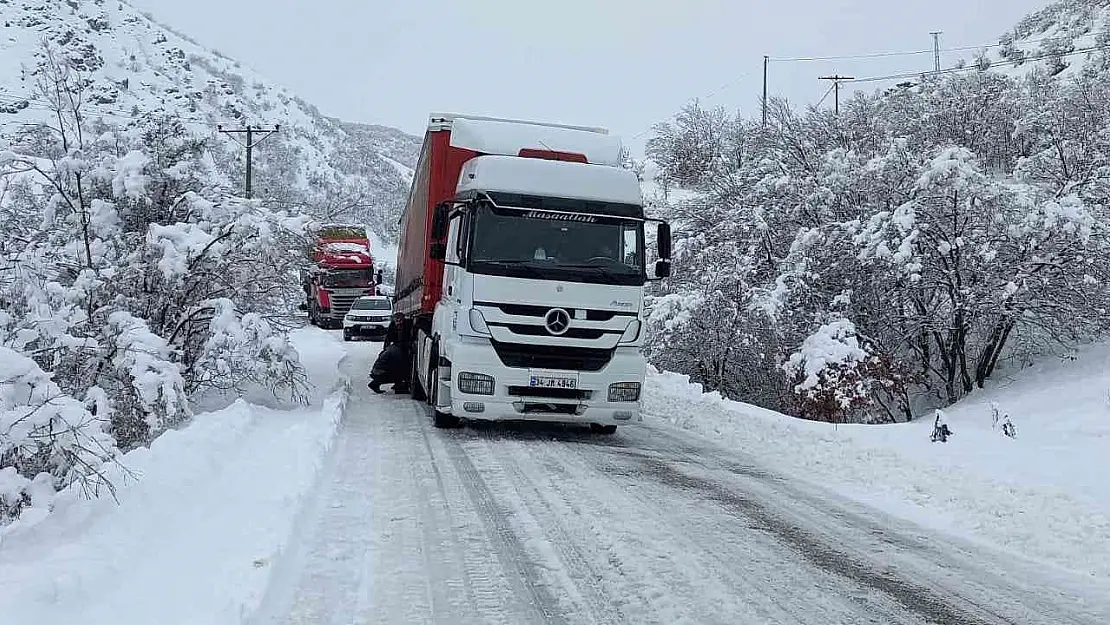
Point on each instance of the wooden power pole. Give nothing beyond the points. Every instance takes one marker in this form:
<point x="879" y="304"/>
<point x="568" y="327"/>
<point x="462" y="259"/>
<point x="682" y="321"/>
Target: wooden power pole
<point x="765" y="60"/>
<point x="936" y="50"/>
<point x="836" y="87"/>
<point x="249" y="144"/>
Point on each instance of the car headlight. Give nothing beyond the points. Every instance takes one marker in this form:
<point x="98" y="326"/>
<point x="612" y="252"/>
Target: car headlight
<point x="478" y="322"/>
<point x="632" y="332"/>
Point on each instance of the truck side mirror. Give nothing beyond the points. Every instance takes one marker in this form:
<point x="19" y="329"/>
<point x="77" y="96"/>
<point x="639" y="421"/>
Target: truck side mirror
<point x="662" y="268"/>
<point x="439" y="221"/>
<point x="437" y="251"/>
<point x="378" y="277"/>
<point x="663" y="240"/>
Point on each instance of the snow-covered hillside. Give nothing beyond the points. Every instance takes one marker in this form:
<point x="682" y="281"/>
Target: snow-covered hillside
<point x="137" y="67"/>
<point x="1058" y="39"/>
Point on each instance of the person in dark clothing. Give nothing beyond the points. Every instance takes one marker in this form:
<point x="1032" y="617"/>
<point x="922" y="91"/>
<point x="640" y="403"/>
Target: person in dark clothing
<point x="395" y="330"/>
<point x="390" y="365"/>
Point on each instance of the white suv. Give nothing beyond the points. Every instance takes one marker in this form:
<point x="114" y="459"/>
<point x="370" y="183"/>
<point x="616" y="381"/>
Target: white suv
<point x="368" y="316"/>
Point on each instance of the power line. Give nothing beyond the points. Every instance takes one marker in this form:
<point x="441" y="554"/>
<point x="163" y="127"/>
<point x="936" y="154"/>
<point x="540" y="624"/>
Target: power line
<point x="964" y="48"/>
<point x="827" y="92"/>
<point x="953" y="70"/>
<point x="671" y="116"/>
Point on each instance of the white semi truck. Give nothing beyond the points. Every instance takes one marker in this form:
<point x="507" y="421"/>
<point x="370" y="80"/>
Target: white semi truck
<point x="521" y="272"/>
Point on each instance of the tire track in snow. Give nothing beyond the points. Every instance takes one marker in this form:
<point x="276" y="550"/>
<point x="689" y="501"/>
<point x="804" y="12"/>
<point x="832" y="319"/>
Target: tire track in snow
<point x="582" y="574"/>
<point x="515" y="560"/>
<point x="971" y="581"/>
<point x="721" y="571"/>
<point x="655" y="566"/>
<point x="913" y="597"/>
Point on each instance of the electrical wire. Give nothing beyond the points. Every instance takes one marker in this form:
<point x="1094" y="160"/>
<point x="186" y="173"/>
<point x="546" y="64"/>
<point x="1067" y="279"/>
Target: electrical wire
<point x="964" y="48"/>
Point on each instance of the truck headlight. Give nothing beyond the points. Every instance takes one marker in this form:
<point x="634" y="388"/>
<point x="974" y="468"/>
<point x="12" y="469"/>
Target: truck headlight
<point x="475" y="383"/>
<point x="478" y="322"/>
<point x="632" y="332"/>
<point x="624" y="391"/>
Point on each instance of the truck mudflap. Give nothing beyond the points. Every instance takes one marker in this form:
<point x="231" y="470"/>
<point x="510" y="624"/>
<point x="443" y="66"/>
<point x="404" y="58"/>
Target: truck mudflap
<point x="478" y="386"/>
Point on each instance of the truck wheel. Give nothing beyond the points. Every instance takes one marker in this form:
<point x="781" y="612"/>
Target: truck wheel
<point x="597" y="428"/>
<point x="414" y="380"/>
<point x="445" y="421"/>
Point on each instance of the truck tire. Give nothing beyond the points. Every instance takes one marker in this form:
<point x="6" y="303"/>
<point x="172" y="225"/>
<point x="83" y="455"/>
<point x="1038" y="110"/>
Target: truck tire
<point x="597" y="428"/>
<point x="414" y="380"/>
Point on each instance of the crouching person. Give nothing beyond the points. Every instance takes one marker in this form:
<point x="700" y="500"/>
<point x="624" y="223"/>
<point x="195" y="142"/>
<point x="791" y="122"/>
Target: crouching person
<point x="391" y="367"/>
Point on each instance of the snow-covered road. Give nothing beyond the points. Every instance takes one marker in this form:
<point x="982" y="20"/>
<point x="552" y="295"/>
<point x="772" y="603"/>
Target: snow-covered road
<point x="537" y="524"/>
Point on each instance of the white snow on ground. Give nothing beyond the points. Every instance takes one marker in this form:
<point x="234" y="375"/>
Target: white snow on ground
<point x="1043" y="494"/>
<point x="193" y="538"/>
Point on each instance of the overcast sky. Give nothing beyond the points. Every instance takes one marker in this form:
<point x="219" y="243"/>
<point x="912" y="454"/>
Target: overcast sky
<point x="623" y="64"/>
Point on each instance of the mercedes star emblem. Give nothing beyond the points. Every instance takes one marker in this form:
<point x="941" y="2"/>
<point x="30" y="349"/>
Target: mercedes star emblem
<point x="557" y="321"/>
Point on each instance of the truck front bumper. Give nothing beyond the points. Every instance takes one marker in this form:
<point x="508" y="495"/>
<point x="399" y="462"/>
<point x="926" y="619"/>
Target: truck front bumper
<point x="515" y="398"/>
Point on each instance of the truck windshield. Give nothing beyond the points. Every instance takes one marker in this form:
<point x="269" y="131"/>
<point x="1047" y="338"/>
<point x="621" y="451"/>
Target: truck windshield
<point x="532" y="244"/>
<point x="348" y="278"/>
<point x="371" y="304"/>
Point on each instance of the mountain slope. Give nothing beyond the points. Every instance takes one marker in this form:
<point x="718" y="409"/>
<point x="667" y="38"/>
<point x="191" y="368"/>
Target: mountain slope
<point x="1059" y="39"/>
<point x="136" y="67"/>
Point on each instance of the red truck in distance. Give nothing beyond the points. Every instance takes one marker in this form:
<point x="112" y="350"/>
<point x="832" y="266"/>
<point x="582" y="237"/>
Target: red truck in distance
<point x="342" y="270"/>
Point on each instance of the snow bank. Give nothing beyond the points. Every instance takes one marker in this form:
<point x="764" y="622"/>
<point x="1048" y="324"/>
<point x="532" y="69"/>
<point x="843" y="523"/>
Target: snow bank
<point x="1041" y="495"/>
<point x="202" y="515"/>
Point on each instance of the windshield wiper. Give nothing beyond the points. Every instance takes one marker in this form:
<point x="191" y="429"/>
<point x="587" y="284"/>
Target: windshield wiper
<point x="513" y="262"/>
<point x="602" y="271"/>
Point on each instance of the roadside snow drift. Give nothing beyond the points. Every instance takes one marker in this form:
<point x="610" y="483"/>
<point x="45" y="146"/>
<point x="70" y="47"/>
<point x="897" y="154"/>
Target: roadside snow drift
<point x="1043" y="494"/>
<point x="202" y="515"/>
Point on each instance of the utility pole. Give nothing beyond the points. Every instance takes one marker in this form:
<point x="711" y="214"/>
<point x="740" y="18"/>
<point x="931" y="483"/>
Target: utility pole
<point x="765" y="59"/>
<point x="836" y="86"/>
<point x="249" y="143"/>
<point x="936" y="50"/>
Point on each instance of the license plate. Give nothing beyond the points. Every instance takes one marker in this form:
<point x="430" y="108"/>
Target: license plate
<point x="552" y="381"/>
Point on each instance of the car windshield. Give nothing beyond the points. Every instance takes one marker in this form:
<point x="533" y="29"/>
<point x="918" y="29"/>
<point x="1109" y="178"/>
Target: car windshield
<point x="371" y="304"/>
<point x="348" y="278"/>
<point x="535" y="244"/>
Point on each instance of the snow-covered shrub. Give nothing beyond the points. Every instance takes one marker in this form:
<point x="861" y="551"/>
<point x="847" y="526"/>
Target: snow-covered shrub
<point x="48" y="439"/>
<point x="838" y="379"/>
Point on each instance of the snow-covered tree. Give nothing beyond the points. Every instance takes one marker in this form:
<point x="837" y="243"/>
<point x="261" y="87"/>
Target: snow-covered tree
<point x="131" y="281"/>
<point x="957" y="223"/>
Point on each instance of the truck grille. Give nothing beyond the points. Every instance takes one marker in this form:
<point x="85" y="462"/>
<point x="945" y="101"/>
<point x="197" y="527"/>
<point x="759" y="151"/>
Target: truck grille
<point x="342" y="302"/>
<point x="523" y="356"/>
<point x="526" y="310"/>
<point x="572" y="333"/>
